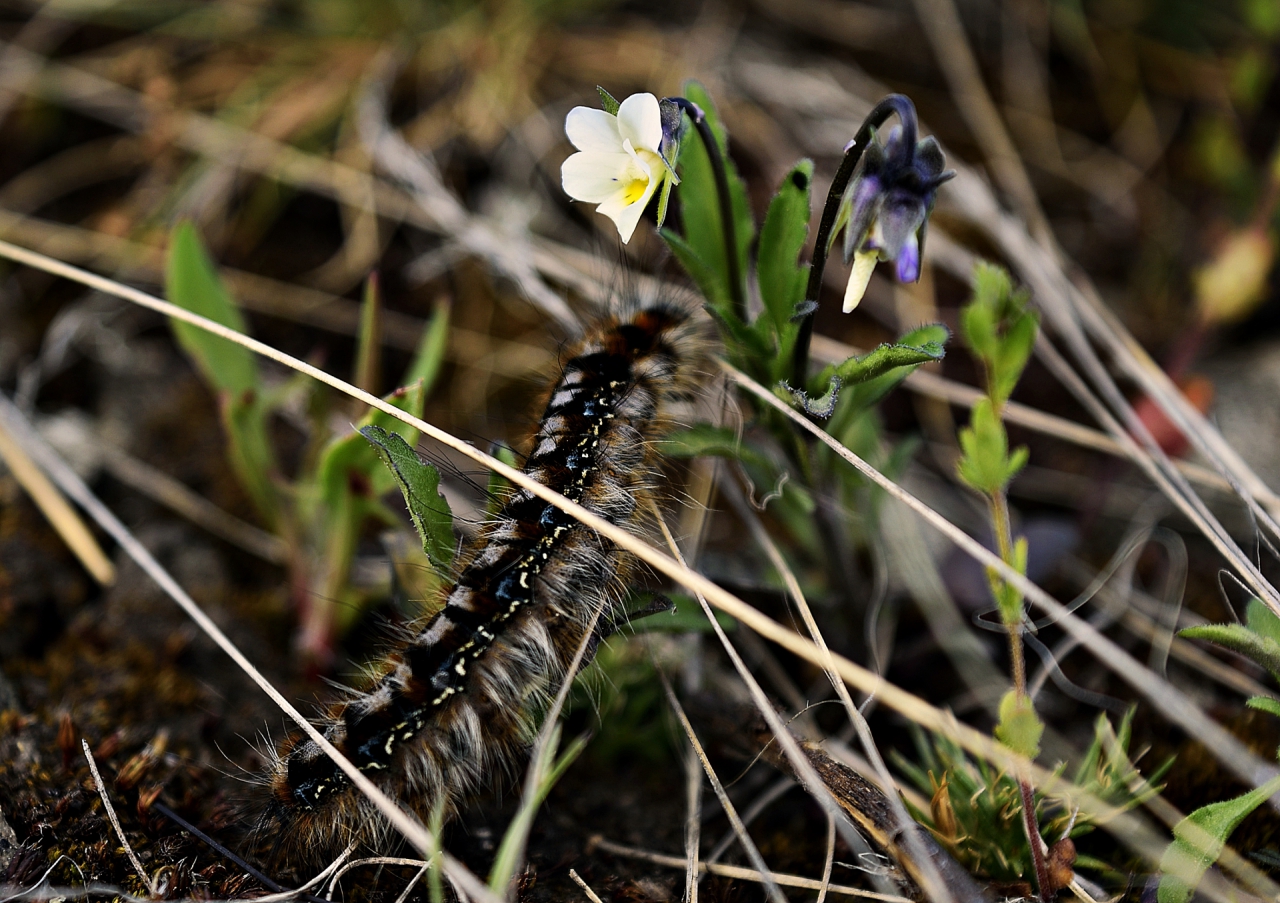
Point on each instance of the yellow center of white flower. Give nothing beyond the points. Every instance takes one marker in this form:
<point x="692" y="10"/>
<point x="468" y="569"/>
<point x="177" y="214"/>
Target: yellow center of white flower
<point x="635" y="181"/>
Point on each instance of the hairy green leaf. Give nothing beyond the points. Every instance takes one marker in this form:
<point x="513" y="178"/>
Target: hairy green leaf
<point x="1020" y="728"/>
<point x="986" y="464"/>
<point x="1199" y="839"/>
<point x="781" y="277"/>
<point x="420" y="484"/>
<point x="1238" y="638"/>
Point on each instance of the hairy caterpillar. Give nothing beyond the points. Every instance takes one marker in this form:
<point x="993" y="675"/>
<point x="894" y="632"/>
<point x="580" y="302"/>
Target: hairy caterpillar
<point x="458" y="700"/>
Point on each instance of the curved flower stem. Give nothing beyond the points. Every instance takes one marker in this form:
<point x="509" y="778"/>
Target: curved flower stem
<point x="736" y="294"/>
<point x="894" y="103"/>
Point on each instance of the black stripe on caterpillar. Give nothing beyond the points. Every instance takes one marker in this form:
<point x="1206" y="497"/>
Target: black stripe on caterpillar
<point x="457" y="702"/>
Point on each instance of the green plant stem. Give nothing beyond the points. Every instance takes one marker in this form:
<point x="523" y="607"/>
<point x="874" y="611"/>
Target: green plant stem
<point x="736" y="292"/>
<point x="1033" y="837"/>
<point x="906" y="111"/>
<point x="1000" y="522"/>
<point x="999" y="504"/>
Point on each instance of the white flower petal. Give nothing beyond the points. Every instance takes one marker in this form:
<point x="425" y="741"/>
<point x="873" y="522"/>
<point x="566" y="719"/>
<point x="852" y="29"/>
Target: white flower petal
<point x="626" y="216"/>
<point x="593" y="177"/>
<point x="640" y="119"/>
<point x="593" y="130"/>
<point x="864" y="263"/>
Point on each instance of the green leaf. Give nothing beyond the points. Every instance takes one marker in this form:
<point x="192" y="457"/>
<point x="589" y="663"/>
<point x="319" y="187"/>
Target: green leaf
<point x="1199" y="839"/>
<point x="703" y="273"/>
<point x="420" y="484"/>
<point x="1000" y="328"/>
<point x="244" y="418"/>
<point x="1264" y="704"/>
<point x="1238" y="638"/>
<point x="700" y="207"/>
<point x="781" y="277"/>
<point x="926" y="341"/>
<point x="986" y="464"/>
<point x="607" y="101"/>
<point x="688" y="617"/>
<point x="1262" y="620"/>
<point x="192" y="283"/>
<point x="1020" y="728"/>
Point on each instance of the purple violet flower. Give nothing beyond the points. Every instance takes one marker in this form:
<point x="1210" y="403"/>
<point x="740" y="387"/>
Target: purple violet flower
<point x="887" y="205"/>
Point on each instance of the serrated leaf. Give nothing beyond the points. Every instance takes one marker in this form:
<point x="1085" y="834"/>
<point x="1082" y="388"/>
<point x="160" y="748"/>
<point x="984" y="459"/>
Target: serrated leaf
<point x="420" y="484"/>
<point x="192" y="283"/>
<point x="1199" y="839"/>
<point x="1020" y="728"/>
<point x="782" y="279"/>
<point x="929" y="340"/>
<point x="1238" y="638"/>
<point x="1264" y="704"/>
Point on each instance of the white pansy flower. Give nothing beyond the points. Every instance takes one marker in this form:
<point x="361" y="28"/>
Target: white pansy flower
<point x="619" y="164"/>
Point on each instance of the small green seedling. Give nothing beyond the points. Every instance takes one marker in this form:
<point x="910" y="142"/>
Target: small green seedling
<point x="323" y="511"/>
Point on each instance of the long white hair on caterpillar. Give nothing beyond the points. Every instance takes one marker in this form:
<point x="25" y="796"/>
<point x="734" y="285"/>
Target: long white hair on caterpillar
<point x="455" y="703"/>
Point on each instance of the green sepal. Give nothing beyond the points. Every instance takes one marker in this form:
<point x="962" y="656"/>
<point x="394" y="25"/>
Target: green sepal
<point x="607" y="101"/>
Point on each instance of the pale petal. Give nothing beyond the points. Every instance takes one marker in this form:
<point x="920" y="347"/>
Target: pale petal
<point x="593" y="177"/>
<point x="864" y="263"/>
<point x="641" y="158"/>
<point x="626" y="216"/>
<point x="640" y="119"/>
<point x="593" y="130"/>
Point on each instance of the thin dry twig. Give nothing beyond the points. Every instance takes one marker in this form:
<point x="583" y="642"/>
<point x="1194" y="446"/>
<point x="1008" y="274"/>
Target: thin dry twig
<point x="693" y="823"/>
<point x="737" y="872"/>
<point x="586" y="888"/>
<point x="748" y="845"/>
<point x="115" y="822"/>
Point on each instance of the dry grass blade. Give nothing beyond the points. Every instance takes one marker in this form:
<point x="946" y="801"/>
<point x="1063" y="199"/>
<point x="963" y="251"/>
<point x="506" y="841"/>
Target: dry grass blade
<point x="914" y="859"/>
<point x="693" y="823"/>
<point x="931" y="385"/>
<point x="743" y="874"/>
<point x="55" y="508"/>
<point x="748" y="845"/>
